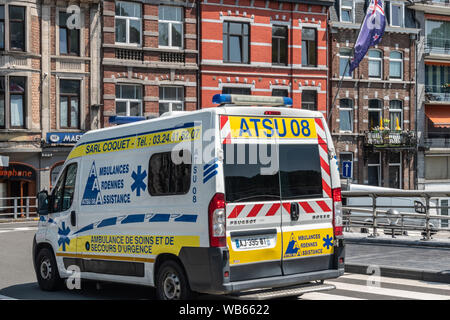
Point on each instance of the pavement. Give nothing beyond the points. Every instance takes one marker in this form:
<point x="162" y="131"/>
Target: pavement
<point x="407" y="257"/>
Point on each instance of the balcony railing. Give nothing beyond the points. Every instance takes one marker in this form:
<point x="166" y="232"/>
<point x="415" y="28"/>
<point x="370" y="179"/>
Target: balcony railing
<point x="129" y="54"/>
<point x="437" y="93"/>
<point x="177" y="57"/>
<point x="390" y="139"/>
<point x="437" y="45"/>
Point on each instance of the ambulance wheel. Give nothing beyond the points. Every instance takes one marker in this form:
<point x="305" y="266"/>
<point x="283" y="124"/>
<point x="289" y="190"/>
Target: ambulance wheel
<point x="171" y="282"/>
<point x="47" y="271"/>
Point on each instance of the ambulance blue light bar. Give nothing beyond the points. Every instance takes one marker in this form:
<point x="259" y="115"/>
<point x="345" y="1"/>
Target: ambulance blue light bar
<point x="124" y="119"/>
<point x="248" y="100"/>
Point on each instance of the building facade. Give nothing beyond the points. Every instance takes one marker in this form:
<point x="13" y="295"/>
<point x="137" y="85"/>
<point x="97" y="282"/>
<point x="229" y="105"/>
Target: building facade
<point x="70" y="72"/>
<point x="373" y="115"/>
<point x="266" y="48"/>
<point x="46" y="92"/>
<point x="149" y="58"/>
<point x="20" y="114"/>
<point x="433" y="94"/>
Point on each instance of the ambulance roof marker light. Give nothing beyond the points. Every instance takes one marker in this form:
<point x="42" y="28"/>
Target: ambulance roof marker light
<point x="248" y="100"/>
<point x="124" y="119"/>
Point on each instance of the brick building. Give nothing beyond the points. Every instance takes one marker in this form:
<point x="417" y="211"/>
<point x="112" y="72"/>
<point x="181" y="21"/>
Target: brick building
<point x="20" y="75"/>
<point x="265" y="48"/>
<point x="70" y="71"/>
<point x="149" y="58"/>
<point x="49" y="80"/>
<point x="373" y="120"/>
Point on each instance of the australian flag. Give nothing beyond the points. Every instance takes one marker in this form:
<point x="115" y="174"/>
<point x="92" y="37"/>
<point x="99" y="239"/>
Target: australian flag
<point x="372" y="30"/>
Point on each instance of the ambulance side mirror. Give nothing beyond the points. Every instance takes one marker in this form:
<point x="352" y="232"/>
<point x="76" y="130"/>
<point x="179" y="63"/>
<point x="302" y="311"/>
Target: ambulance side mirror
<point x="42" y="203"/>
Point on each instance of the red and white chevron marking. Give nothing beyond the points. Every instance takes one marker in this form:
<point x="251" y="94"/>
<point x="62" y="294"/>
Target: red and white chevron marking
<point x="225" y="129"/>
<point x="324" y="162"/>
<point x="271" y="209"/>
<point x="310" y="206"/>
<point x="252" y="210"/>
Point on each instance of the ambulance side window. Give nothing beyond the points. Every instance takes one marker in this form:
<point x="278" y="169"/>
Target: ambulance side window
<point x="167" y="178"/>
<point x="64" y="190"/>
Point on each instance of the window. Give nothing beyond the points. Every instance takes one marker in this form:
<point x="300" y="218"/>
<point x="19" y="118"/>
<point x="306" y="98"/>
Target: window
<point x="69" y="104"/>
<point x="375" y="63"/>
<point x="167" y="178"/>
<point x="2" y="103"/>
<point x="17" y="28"/>
<point x="2" y="27"/>
<point x="347" y="10"/>
<point x="395" y="170"/>
<point x="435" y="79"/>
<point x="397" y="14"/>
<point x="345" y="55"/>
<point x="396" y="65"/>
<point x="299" y="173"/>
<point x="170" y="27"/>
<point x="128" y="100"/>
<point x="128" y="23"/>
<point x="17" y="87"/>
<point x="309" y="47"/>
<point x="395" y="115"/>
<point x="236" y="42"/>
<point x="280" y="93"/>
<point x="309" y="100"/>
<point x="345" y="157"/>
<point x="444" y="212"/>
<point x="69" y="39"/>
<point x="236" y="90"/>
<point x="279" y="44"/>
<point x="374" y="169"/>
<point x="375" y="108"/>
<point x="62" y="196"/>
<point x="346" y="115"/>
<point x="171" y="99"/>
<point x="437" y="36"/>
<point x="437" y="168"/>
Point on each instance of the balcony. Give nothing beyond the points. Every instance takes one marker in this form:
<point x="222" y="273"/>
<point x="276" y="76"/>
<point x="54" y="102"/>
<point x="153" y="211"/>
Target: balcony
<point x="438" y="93"/>
<point x="387" y="139"/>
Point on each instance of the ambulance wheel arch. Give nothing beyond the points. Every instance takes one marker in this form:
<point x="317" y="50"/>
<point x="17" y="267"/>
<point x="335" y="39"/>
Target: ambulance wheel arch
<point x="170" y="278"/>
<point x="46" y="267"/>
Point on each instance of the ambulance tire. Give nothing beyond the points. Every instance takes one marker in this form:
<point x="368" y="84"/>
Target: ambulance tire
<point x="171" y="282"/>
<point x="47" y="271"/>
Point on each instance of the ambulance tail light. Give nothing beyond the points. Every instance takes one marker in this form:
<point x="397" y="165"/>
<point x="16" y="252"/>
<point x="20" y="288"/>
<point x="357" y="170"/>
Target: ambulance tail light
<point x="217" y="222"/>
<point x="337" y="212"/>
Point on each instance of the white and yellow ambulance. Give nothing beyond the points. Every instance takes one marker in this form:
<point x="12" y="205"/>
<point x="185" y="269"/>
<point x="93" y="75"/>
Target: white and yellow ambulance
<point x="223" y="200"/>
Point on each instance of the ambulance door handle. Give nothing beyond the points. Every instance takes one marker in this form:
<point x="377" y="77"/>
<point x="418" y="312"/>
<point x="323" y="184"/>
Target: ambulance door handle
<point x="295" y="210"/>
<point x="73" y="218"/>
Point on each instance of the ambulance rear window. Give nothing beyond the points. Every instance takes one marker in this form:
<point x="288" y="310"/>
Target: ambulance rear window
<point x="243" y="178"/>
<point x="295" y="172"/>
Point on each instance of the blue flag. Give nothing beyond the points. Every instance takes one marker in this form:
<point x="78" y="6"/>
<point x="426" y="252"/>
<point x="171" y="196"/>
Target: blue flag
<point x="372" y="30"/>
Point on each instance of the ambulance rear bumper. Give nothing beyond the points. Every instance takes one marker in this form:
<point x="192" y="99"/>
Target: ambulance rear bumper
<point x="280" y="281"/>
<point x="206" y="269"/>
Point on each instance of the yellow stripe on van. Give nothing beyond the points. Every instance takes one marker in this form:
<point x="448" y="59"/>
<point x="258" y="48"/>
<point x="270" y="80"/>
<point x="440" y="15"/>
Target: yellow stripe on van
<point x="268" y="128"/>
<point x="136" y="142"/>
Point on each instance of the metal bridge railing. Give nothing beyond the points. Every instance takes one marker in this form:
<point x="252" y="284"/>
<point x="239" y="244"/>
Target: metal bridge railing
<point x="378" y="216"/>
<point x="18" y="207"/>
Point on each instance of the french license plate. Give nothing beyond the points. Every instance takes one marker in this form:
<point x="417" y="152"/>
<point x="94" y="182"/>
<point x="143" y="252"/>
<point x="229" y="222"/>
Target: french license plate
<point x="253" y="243"/>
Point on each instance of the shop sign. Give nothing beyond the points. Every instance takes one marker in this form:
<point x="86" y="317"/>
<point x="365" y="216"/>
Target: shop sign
<point x="63" y="137"/>
<point x="16" y="171"/>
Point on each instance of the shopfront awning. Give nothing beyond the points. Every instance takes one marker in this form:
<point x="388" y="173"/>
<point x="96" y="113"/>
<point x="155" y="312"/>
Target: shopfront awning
<point x="439" y="115"/>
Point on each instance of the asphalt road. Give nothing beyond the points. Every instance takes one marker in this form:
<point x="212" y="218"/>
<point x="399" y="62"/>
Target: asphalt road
<point x="18" y="280"/>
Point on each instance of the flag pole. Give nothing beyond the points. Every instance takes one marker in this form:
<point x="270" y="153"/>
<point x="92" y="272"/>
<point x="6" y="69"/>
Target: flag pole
<point x="343" y="74"/>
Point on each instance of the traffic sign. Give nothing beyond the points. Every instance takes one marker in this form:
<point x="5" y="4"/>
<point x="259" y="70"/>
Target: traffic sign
<point x="347" y="169"/>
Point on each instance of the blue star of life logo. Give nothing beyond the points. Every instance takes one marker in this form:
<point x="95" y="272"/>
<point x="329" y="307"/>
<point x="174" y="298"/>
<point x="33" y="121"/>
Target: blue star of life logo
<point x="328" y="241"/>
<point x="138" y="183"/>
<point x="63" y="238"/>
